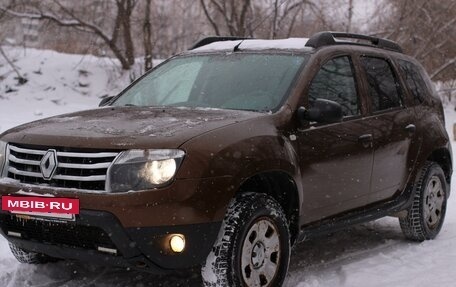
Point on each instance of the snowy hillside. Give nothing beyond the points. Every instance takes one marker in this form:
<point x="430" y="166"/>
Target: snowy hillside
<point x="373" y="254"/>
<point x="57" y="83"/>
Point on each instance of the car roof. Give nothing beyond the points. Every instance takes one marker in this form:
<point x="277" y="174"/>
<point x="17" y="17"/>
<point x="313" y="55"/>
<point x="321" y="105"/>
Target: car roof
<point x="318" y="40"/>
<point x="289" y="44"/>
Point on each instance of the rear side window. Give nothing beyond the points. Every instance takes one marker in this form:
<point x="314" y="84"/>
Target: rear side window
<point x="383" y="85"/>
<point x="414" y="80"/>
<point x="335" y="82"/>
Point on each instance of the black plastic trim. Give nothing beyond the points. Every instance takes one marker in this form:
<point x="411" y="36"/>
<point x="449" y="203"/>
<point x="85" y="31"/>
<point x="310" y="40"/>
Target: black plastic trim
<point x="342" y="221"/>
<point x="212" y="39"/>
<point x="142" y="248"/>
<point x="328" y="38"/>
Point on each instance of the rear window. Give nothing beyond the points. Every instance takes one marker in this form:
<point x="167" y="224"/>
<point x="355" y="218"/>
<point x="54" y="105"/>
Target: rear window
<point x="383" y="85"/>
<point x="414" y="80"/>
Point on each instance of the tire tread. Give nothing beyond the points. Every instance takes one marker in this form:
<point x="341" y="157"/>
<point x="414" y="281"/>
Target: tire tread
<point x="239" y="206"/>
<point x="412" y="225"/>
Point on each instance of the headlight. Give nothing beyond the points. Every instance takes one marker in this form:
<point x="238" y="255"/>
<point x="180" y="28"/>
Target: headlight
<point x="2" y="157"/>
<point x="135" y="170"/>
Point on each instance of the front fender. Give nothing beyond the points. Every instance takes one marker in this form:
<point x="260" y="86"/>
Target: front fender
<point x="240" y="152"/>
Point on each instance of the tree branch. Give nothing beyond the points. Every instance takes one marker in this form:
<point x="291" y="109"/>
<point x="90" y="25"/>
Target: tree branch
<point x="60" y="22"/>
<point x="21" y="80"/>
<point x="209" y="18"/>
<point x="442" y="68"/>
<point x="75" y="23"/>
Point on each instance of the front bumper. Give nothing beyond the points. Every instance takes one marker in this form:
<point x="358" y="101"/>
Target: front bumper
<point x="135" y="224"/>
<point x="184" y="202"/>
<point x="144" y="248"/>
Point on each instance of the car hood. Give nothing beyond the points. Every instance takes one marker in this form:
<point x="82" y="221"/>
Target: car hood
<point x="125" y="127"/>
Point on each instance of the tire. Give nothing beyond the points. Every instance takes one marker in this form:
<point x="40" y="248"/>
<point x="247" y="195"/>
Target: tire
<point x="426" y="215"/>
<point x="24" y="256"/>
<point x="254" y="238"/>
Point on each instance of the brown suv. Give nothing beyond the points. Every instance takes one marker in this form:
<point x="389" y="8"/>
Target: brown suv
<point x="227" y="154"/>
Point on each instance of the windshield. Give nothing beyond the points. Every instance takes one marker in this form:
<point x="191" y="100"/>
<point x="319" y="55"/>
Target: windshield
<point x="255" y="82"/>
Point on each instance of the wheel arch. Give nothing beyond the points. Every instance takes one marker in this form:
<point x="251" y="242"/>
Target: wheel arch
<point x="282" y="187"/>
<point x="442" y="156"/>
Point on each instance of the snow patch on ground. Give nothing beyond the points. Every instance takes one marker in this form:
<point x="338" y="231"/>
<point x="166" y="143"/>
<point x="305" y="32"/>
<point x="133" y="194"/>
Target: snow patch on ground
<point x="57" y="83"/>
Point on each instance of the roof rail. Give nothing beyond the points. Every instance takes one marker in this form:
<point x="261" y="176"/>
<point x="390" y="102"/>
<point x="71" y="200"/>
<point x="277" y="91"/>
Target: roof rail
<point x="327" y="38"/>
<point x="212" y="39"/>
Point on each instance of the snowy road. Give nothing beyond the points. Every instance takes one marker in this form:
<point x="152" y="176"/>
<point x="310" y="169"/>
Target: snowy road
<point x="373" y="254"/>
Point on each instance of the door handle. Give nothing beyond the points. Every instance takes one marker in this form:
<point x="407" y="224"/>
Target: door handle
<point x="411" y="128"/>
<point x="366" y="140"/>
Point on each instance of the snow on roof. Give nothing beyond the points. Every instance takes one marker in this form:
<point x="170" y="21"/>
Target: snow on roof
<point x="255" y="44"/>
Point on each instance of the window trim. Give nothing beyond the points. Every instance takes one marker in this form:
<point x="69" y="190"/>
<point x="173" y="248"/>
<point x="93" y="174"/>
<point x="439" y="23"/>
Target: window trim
<point x="355" y="80"/>
<point x="414" y="101"/>
<point x="397" y="77"/>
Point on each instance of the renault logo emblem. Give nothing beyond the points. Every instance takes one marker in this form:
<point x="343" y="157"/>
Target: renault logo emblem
<point x="49" y="164"/>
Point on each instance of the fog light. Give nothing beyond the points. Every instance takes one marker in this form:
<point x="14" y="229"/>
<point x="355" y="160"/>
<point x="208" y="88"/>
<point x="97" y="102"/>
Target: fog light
<point x="177" y="243"/>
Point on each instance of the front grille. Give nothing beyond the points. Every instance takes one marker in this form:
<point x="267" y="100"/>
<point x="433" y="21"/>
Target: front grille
<point x="55" y="233"/>
<point x="85" y="170"/>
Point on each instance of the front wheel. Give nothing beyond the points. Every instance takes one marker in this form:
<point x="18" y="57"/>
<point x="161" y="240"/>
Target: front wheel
<point x="426" y="215"/>
<point x="253" y="246"/>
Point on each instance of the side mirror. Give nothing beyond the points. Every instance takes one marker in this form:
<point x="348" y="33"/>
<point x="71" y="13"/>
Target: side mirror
<point x="322" y="111"/>
<point x="105" y="101"/>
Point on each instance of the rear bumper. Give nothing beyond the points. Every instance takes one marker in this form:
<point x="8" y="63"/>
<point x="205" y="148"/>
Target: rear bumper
<point x="144" y="248"/>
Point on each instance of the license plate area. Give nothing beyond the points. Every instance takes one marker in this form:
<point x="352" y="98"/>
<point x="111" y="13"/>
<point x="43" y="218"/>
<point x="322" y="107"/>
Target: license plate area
<point x="41" y="208"/>
<point x="54" y="217"/>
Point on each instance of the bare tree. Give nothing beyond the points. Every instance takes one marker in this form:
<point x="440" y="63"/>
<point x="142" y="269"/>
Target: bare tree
<point x="234" y="15"/>
<point x="284" y="16"/>
<point x="124" y="11"/>
<point x="168" y="28"/>
<point x="65" y="17"/>
<point x="210" y="18"/>
<point x="147" y="37"/>
<point x="268" y="18"/>
<point x="20" y="78"/>
<point x="426" y="30"/>
<point x="349" y="16"/>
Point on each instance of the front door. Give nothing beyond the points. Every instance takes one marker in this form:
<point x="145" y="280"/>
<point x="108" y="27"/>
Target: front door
<point x="336" y="159"/>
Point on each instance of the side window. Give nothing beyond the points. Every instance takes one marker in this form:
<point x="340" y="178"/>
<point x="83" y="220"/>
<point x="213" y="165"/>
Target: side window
<point x="335" y="81"/>
<point x="383" y="85"/>
<point x="414" y="80"/>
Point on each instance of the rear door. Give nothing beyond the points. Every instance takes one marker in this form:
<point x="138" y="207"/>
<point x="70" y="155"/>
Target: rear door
<point x="393" y="127"/>
<point x="335" y="159"/>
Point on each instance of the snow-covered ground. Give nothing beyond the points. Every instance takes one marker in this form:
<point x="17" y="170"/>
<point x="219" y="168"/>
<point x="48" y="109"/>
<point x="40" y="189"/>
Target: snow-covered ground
<point x="57" y="83"/>
<point x="372" y="254"/>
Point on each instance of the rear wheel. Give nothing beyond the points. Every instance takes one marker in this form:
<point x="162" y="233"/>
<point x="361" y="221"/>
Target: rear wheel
<point x="426" y="215"/>
<point x="253" y="246"/>
<point x="24" y="256"/>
